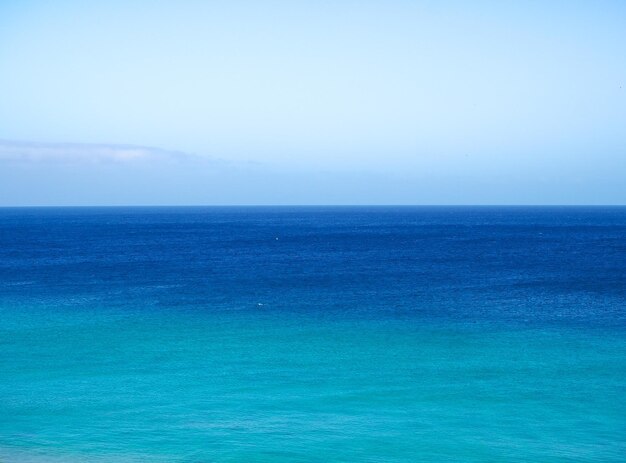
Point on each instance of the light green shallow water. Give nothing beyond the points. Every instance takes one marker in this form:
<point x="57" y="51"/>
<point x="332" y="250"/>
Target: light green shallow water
<point x="264" y="386"/>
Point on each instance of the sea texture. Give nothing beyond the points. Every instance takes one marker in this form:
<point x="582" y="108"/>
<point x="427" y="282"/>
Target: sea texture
<point x="313" y="334"/>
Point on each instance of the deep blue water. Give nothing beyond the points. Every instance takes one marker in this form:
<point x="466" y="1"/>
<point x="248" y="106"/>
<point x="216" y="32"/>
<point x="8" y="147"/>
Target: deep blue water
<point x="314" y="334"/>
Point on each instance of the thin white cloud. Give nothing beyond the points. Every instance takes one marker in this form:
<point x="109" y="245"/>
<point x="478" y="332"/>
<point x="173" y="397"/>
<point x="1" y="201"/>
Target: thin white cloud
<point x="18" y="151"/>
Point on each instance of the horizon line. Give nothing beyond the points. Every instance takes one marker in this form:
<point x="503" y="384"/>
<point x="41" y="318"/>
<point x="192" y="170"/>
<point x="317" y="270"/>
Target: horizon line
<point x="155" y="206"/>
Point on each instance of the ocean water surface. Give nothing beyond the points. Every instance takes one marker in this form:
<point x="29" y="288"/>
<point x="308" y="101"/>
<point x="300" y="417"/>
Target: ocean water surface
<point x="313" y="334"/>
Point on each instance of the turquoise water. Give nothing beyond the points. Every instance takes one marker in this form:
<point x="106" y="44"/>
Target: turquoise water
<point x="359" y="335"/>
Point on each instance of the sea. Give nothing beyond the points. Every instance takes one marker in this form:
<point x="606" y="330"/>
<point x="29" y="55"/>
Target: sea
<point x="313" y="334"/>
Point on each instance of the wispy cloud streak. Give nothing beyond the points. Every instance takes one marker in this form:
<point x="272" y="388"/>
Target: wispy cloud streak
<point x="17" y="151"/>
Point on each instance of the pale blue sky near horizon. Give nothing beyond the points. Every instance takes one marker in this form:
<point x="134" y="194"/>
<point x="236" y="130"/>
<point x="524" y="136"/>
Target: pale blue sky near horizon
<point x="276" y="102"/>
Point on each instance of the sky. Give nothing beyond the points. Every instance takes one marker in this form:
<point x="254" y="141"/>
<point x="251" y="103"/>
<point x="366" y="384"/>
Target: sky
<point x="312" y="102"/>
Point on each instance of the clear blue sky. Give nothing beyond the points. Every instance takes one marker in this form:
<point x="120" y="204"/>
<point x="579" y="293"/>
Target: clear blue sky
<point x="348" y="102"/>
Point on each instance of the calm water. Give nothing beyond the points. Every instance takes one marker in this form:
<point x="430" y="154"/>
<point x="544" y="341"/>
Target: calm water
<point x="313" y="334"/>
